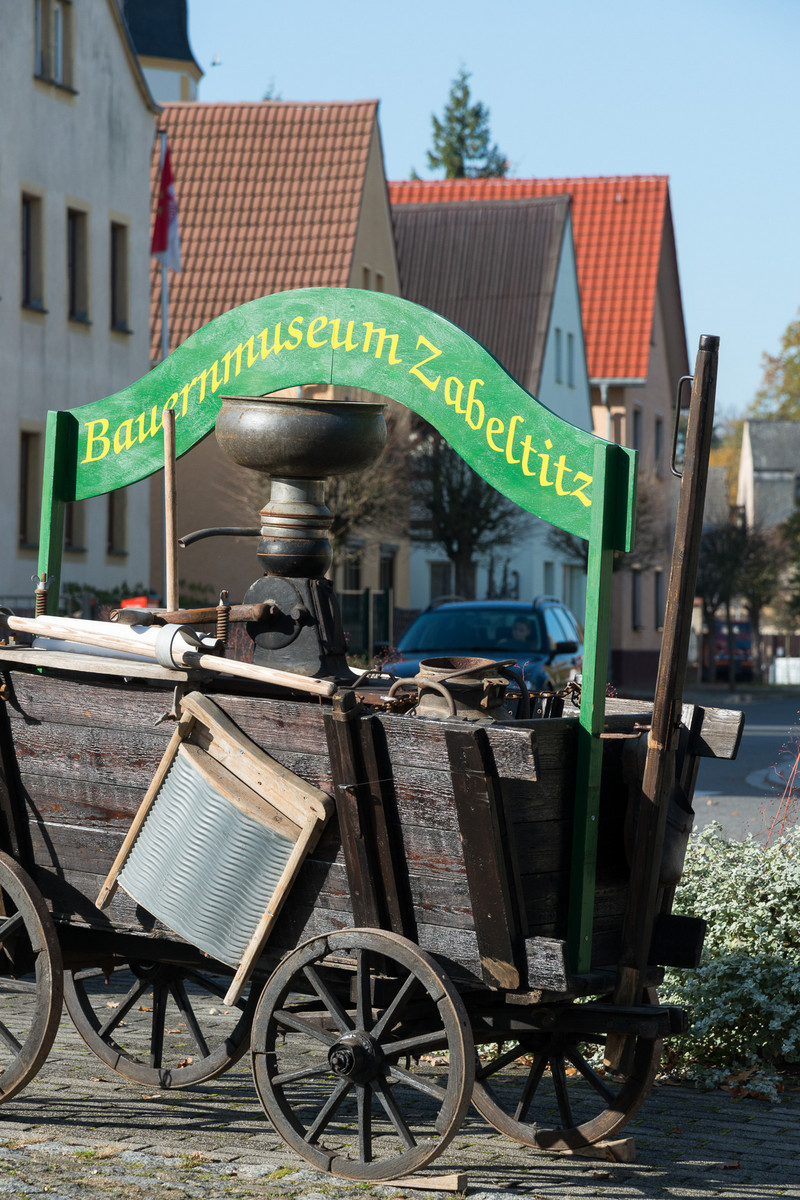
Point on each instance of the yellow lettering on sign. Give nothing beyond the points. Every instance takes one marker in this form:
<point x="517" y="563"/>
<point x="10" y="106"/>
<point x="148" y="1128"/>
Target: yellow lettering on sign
<point x="336" y="342"/>
<point x="454" y="400"/>
<point x="494" y="425"/>
<point x="92" y="437"/>
<point x="216" y="382"/>
<point x="431" y="384"/>
<point x="579" y="491"/>
<point x="314" y="342"/>
<point x="296" y="333"/>
<point x="515" y="420"/>
<point x="277" y="344"/>
<point x="527" y="450"/>
<point x="155" y="424"/>
<point x="252" y="356"/>
<point x="543" y="480"/>
<point x="561" y="470"/>
<point x="472" y="403"/>
<point x="130" y="440"/>
<point x="382" y="337"/>
<point x="188" y="387"/>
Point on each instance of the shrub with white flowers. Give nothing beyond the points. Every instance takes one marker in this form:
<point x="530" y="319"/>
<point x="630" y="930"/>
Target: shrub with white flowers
<point x="744" y="999"/>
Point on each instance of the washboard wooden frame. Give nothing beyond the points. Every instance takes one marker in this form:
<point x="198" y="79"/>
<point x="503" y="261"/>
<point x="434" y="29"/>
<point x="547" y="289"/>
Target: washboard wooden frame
<point x="242" y="775"/>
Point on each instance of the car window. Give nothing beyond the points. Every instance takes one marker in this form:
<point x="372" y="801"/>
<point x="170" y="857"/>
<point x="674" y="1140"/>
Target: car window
<point x="555" y="630"/>
<point x="473" y="629"/>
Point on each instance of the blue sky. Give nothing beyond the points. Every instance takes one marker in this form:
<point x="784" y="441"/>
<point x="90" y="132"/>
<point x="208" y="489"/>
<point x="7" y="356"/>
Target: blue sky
<point x="695" y="89"/>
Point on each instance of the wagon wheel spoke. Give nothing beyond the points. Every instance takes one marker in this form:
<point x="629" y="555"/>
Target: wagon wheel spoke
<point x="8" y="1038"/>
<point x="364" y="1101"/>
<point x="319" y="1068"/>
<point x="11" y="926"/>
<point x="484" y="1070"/>
<point x="591" y="1076"/>
<point x="419" y="1082"/>
<point x="328" y="999"/>
<point x="122" y="1010"/>
<point x="560" y="1085"/>
<point x="386" y="1097"/>
<point x="158" y="1023"/>
<point x="394" y="1011"/>
<point x="188" y="1014"/>
<point x="381" y="1120"/>
<point x="363" y="998"/>
<point x="328" y="1110"/>
<point x="292" y="1021"/>
<point x="531" y="1084"/>
<point x="31" y="984"/>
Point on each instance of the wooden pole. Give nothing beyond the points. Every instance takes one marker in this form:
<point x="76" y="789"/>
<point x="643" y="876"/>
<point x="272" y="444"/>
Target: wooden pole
<point x="659" y="770"/>
<point x="172" y="599"/>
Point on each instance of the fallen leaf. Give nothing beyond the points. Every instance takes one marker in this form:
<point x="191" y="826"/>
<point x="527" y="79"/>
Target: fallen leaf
<point x="734" y="1165"/>
<point x="603" y="1175"/>
<point x="185" y="1062"/>
<point x="177" y="1029"/>
<point x="144" y="1008"/>
<point x="112" y="1003"/>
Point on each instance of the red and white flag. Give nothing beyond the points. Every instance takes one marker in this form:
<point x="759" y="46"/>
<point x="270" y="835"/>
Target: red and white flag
<point x="166" y="243"/>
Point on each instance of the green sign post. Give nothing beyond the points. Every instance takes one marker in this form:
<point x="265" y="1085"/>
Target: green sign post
<point x="566" y="476"/>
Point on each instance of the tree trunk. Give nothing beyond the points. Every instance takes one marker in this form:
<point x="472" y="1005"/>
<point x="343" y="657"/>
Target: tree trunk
<point x="731" y="659"/>
<point x="465" y="576"/>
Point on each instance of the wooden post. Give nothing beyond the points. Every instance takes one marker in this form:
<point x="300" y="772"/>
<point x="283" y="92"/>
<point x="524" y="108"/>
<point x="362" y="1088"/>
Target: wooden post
<point x="592" y="714"/>
<point x="659" y="770"/>
<point x="170" y="513"/>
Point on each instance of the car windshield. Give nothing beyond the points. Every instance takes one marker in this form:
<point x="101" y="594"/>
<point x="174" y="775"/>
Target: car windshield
<point x="472" y="629"/>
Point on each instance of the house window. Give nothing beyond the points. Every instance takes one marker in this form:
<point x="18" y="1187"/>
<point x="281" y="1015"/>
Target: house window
<point x="366" y="279"/>
<point x="441" y="579"/>
<point x="30" y="488"/>
<point x="352" y="572"/>
<point x="52" y="43"/>
<point x="75" y="525"/>
<point x="658" y="443"/>
<point x="559" y="365"/>
<point x="636" y="598"/>
<point x="31" y="253"/>
<point x="636" y="429"/>
<point x="378" y="282"/>
<point x="575" y="589"/>
<point x="571" y="360"/>
<point x="119" y="276"/>
<point x="117" y="522"/>
<point x="386" y="568"/>
<point x="77" y="266"/>
<point x="659" y="598"/>
<point x="549" y="578"/>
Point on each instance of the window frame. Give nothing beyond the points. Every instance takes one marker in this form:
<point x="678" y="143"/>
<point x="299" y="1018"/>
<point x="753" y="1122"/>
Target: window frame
<point x="119" y="277"/>
<point x="77" y="250"/>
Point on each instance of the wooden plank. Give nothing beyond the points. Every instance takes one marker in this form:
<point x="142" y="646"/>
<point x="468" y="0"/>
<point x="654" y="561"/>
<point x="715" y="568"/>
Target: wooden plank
<point x="379" y="788"/>
<point x="354" y="817"/>
<point x="238" y="793"/>
<point x="717" y="734"/>
<point x="494" y="901"/>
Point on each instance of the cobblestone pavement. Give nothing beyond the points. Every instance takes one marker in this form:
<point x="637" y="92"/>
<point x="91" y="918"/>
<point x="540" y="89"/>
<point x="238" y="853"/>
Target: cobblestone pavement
<point x="79" y="1130"/>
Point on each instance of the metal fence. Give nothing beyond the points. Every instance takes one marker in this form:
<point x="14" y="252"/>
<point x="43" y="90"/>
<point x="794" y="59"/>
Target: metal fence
<point x="368" y="618"/>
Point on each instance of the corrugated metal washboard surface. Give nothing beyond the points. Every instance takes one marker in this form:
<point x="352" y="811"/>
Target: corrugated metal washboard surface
<point x="209" y="855"/>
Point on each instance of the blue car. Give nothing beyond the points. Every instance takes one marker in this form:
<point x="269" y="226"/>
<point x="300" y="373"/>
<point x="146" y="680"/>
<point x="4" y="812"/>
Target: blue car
<point x="543" y="638"/>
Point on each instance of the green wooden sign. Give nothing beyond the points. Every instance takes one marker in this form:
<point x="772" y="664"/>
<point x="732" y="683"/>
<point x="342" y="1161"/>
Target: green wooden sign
<point x="566" y="476"/>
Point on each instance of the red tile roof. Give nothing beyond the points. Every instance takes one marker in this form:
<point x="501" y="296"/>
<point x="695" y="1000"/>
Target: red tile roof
<point x="619" y="224"/>
<point x="269" y="196"/>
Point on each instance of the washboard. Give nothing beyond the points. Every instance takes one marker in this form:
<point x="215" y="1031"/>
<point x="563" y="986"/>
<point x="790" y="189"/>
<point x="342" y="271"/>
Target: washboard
<point x="218" y="840"/>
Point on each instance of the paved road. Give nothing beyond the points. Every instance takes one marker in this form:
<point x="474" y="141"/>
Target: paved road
<point x="745" y="795"/>
<point x="81" y="1131"/>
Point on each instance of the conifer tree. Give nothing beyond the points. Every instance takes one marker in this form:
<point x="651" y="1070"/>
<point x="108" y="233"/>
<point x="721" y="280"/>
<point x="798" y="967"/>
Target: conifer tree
<point x="461" y="139"/>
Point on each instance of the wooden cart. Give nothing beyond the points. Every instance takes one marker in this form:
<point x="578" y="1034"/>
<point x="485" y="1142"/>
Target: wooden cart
<point x="506" y="886"/>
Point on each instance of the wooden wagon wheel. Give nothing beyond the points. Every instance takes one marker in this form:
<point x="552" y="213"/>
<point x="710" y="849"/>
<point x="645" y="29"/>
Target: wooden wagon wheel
<point x="356" y="1058"/>
<point x="553" y="1098"/>
<point x="31" y="979"/>
<point x="159" y="1024"/>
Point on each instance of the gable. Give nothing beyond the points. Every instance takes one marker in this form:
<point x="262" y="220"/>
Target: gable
<point x="619" y="223"/>
<point x="269" y="196"/>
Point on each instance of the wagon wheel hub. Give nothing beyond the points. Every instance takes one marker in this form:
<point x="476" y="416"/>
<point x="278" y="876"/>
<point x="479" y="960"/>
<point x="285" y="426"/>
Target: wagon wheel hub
<point x="355" y="1056"/>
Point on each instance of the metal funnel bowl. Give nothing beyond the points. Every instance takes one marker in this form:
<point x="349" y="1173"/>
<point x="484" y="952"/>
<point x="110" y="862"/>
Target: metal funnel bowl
<point x="298" y="444"/>
<point x="301" y="439"/>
